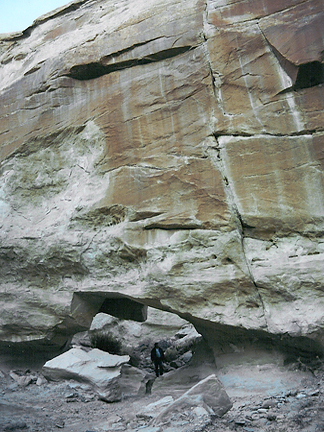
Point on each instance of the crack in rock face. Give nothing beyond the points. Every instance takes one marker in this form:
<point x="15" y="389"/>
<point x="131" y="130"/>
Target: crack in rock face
<point x="166" y="156"/>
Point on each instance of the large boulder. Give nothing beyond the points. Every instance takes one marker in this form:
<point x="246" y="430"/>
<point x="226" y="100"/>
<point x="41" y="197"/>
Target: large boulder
<point x="208" y="394"/>
<point x="109" y="375"/>
<point x="166" y="155"/>
<point x="94" y="367"/>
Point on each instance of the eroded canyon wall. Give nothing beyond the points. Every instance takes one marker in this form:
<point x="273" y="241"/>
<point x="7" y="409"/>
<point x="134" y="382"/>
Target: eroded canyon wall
<point x="166" y="152"/>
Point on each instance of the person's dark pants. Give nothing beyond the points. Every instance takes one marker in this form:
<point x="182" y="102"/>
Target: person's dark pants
<point x="158" y="367"/>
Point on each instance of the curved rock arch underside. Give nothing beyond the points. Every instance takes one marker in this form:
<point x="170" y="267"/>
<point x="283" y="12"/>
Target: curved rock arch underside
<point x="166" y="154"/>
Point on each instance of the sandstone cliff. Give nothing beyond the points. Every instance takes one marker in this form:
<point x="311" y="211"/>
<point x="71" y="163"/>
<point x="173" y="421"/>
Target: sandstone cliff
<point x="166" y="154"/>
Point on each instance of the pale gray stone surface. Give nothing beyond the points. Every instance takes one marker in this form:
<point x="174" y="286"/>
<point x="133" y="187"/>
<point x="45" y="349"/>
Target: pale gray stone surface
<point x="95" y="366"/>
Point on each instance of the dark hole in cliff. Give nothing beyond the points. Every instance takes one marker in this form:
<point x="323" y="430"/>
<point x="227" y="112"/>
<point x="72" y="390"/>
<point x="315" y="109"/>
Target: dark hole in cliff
<point x="303" y="76"/>
<point x="124" y="308"/>
<point x="88" y="71"/>
<point x="96" y="69"/>
<point x="309" y="75"/>
<point x="85" y="305"/>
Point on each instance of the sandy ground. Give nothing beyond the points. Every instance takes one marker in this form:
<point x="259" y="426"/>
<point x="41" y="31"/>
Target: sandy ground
<point x="265" y="398"/>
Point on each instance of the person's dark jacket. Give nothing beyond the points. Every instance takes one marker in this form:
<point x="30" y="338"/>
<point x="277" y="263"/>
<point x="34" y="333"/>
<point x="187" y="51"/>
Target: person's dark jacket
<point x="154" y="356"/>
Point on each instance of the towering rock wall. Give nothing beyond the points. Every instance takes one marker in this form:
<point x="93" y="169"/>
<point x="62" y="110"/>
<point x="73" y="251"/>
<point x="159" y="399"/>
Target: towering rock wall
<point x="169" y="153"/>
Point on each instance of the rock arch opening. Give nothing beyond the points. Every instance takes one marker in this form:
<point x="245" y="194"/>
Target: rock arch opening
<point x="176" y="336"/>
<point x="123" y="326"/>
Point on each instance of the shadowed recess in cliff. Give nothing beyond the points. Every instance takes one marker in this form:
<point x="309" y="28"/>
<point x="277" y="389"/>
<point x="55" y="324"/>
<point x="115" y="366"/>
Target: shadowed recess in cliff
<point x="224" y="337"/>
<point x="96" y="69"/>
<point x="85" y="305"/>
<point x="305" y="75"/>
<point x="309" y="75"/>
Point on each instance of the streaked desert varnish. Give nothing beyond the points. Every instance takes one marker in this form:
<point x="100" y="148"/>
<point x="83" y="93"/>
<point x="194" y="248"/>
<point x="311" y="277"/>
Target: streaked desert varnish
<point x="171" y="154"/>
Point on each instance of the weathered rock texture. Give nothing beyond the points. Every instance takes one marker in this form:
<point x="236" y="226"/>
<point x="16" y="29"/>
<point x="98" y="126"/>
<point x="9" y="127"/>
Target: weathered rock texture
<point x="95" y="367"/>
<point x="109" y="375"/>
<point x="208" y="394"/>
<point x="168" y="153"/>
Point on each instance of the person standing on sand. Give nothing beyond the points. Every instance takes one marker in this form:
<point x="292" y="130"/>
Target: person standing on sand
<point x="157" y="357"/>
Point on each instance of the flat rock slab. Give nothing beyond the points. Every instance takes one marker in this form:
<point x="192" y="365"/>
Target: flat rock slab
<point x="95" y="367"/>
